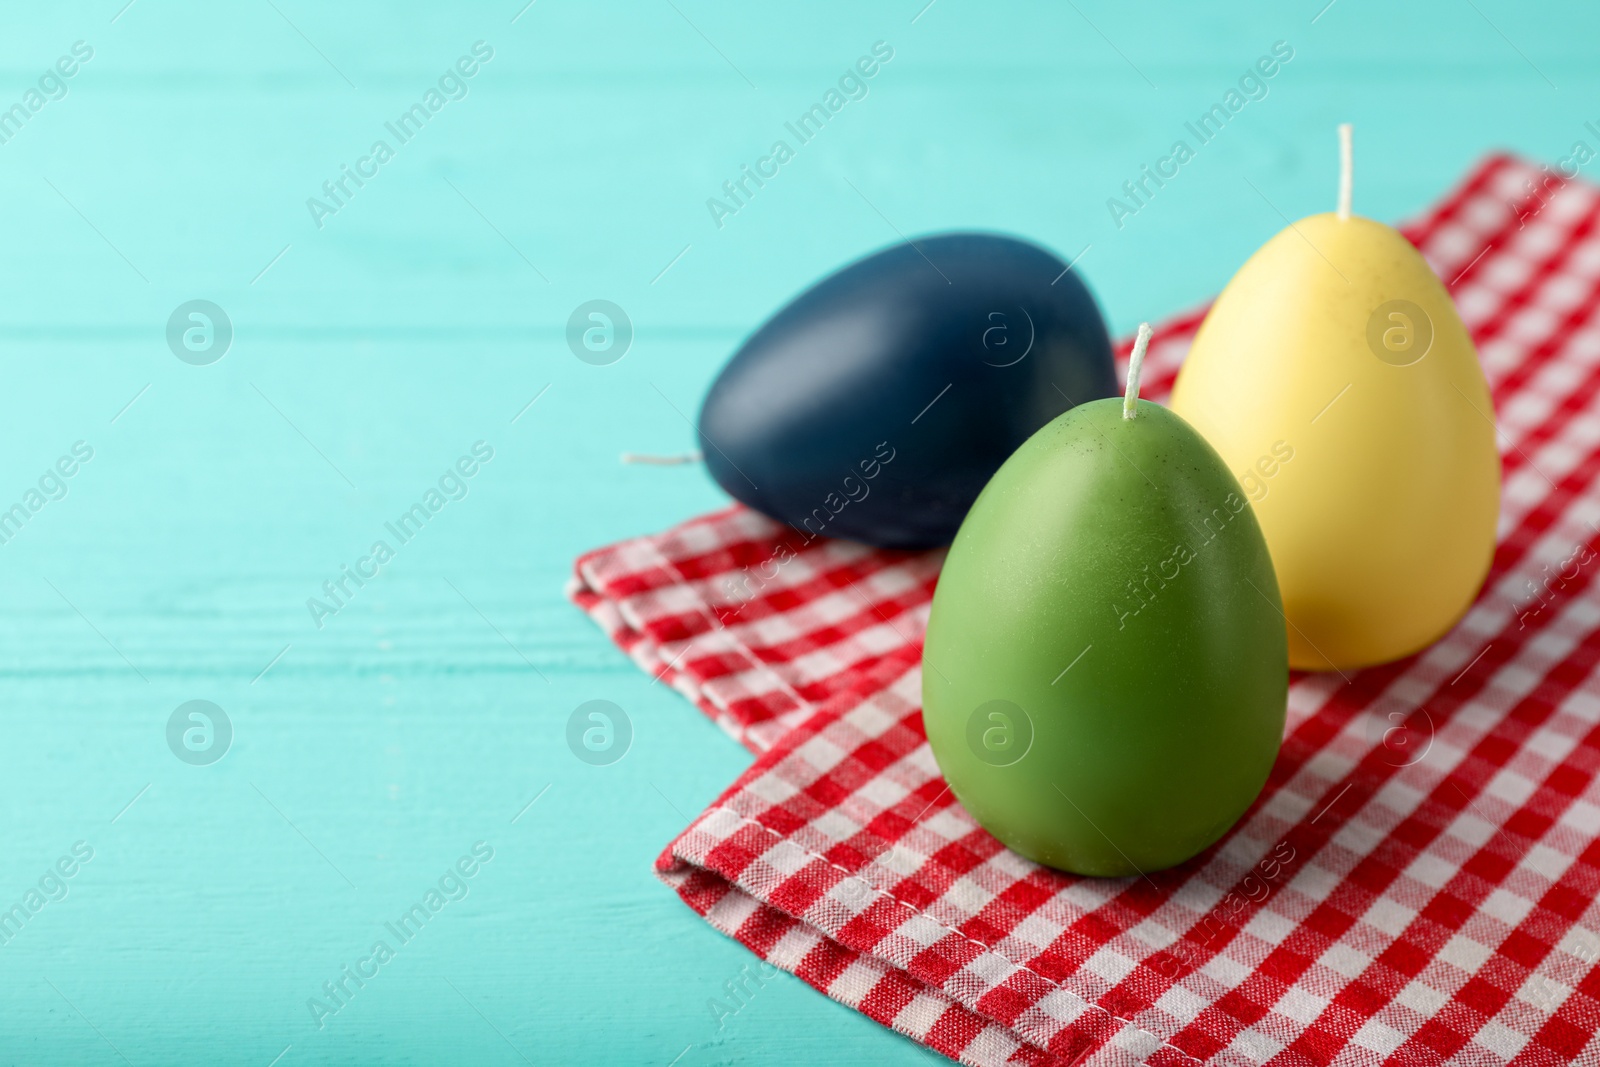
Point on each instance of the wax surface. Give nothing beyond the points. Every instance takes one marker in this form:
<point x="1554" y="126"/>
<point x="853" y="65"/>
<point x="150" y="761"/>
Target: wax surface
<point x="1337" y="381"/>
<point x="1105" y="674"/>
<point x="876" y="404"/>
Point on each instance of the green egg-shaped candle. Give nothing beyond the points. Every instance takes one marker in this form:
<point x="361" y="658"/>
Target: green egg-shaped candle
<point x="1106" y="668"/>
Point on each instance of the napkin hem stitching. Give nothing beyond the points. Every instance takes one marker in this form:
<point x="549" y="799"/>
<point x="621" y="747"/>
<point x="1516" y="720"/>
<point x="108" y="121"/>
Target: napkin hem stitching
<point x="1085" y="1001"/>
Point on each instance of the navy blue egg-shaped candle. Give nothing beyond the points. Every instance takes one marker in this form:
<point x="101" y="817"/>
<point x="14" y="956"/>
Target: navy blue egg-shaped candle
<point x="876" y="404"/>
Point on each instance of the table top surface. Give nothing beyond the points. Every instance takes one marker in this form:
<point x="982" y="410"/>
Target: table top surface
<point x="382" y="329"/>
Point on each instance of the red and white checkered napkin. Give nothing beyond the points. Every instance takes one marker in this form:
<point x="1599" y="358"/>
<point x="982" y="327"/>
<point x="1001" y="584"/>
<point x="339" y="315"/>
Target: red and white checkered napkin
<point x="1416" y="883"/>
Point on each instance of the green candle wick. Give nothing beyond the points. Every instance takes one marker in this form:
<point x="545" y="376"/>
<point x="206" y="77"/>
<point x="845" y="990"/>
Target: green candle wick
<point x="1130" y="399"/>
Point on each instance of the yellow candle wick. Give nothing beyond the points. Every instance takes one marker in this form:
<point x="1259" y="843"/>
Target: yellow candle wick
<point x="1346" y="170"/>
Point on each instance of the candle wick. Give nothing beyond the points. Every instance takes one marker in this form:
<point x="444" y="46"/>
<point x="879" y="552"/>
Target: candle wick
<point x="1346" y="170"/>
<point x="1130" y="399"/>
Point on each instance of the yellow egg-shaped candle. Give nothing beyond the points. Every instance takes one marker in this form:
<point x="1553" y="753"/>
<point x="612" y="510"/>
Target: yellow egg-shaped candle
<point x="1336" y="380"/>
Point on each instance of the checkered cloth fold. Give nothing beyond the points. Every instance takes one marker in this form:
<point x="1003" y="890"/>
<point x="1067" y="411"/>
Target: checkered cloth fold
<point x="1416" y="883"/>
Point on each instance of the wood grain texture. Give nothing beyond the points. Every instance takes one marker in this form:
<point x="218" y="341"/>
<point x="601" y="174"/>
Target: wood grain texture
<point x="421" y="318"/>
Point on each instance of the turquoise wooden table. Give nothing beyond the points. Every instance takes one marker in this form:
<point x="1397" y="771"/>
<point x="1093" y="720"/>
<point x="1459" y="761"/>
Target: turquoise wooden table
<point x="381" y="754"/>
